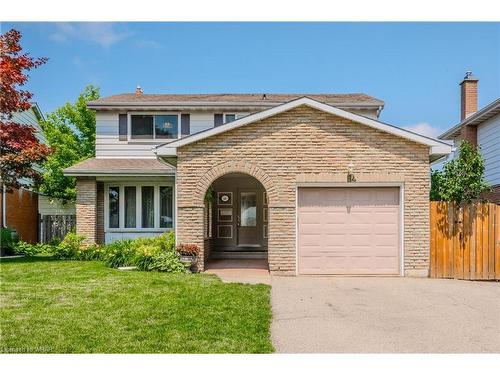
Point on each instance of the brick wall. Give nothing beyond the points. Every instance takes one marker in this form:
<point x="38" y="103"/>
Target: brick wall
<point x="22" y="214"/>
<point x="86" y="208"/>
<point x="305" y="144"/>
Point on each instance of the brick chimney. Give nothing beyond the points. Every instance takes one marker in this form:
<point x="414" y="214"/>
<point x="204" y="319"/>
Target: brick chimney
<point x="138" y="91"/>
<point x="468" y="106"/>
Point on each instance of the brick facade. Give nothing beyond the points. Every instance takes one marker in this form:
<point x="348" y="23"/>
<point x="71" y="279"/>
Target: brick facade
<point x="86" y="208"/>
<point x="21" y="208"/>
<point x="305" y="145"/>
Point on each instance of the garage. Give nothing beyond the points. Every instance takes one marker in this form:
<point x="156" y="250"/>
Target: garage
<point x="349" y="230"/>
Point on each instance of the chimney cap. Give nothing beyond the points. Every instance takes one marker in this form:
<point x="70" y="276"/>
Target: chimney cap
<point x="469" y="77"/>
<point x="138" y="90"/>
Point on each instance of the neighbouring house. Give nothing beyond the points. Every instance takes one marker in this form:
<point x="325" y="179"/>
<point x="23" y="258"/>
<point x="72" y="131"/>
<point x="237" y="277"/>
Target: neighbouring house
<point x="315" y="184"/>
<point x="25" y="210"/>
<point x="481" y="128"/>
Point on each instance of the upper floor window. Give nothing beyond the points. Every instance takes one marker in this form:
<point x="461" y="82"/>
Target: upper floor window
<point x="154" y="126"/>
<point x="229" y="117"/>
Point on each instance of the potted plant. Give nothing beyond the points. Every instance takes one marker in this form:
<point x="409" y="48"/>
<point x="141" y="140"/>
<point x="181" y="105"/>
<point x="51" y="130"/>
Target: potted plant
<point x="188" y="254"/>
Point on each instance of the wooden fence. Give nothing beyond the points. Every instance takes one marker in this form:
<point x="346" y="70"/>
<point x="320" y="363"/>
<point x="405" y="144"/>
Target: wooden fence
<point x="56" y="226"/>
<point x="465" y="242"/>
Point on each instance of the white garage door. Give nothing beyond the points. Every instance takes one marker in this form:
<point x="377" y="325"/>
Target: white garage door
<point x="348" y="231"/>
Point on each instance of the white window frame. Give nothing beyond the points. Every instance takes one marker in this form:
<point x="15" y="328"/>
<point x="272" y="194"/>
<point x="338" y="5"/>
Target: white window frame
<point x="154" y="139"/>
<point x="236" y="114"/>
<point x="138" y="203"/>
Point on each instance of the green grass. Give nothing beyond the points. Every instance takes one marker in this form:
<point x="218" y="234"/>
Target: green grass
<point x="53" y="306"/>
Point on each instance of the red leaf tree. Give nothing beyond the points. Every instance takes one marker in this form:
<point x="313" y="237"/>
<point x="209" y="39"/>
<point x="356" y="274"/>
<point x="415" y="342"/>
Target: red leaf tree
<point x="20" y="150"/>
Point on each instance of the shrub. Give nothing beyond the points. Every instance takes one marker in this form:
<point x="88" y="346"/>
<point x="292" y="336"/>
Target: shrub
<point x="147" y="254"/>
<point x="70" y="247"/>
<point x="6" y="241"/>
<point x="119" y="254"/>
<point x="28" y="249"/>
<point x="168" y="262"/>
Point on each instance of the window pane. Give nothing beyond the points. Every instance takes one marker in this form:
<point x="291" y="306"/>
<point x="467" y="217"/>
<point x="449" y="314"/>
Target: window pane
<point x="142" y="127"/>
<point x="248" y="209"/>
<point x="114" y="207"/>
<point x="166" y="207"/>
<point x="148" y="212"/>
<point x="166" y="126"/>
<point x="230" y="118"/>
<point x="130" y="207"/>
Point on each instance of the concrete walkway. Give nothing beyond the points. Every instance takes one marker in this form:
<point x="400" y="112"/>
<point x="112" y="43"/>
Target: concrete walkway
<point x="384" y="315"/>
<point x="248" y="271"/>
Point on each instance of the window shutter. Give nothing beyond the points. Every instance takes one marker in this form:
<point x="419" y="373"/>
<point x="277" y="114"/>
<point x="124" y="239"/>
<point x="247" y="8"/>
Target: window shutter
<point x="122" y="127"/>
<point x="185" y="124"/>
<point x="218" y="119"/>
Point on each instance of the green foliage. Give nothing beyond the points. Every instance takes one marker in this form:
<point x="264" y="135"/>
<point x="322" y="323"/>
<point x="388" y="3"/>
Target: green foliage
<point x="147" y="254"/>
<point x="6" y="238"/>
<point x="462" y="179"/>
<point x="70" y="247"/>
<point x="119" y="254"/>
<point x="436" y="185"/>
<point x="28" y="249"/>
<point x="70" y="131"/>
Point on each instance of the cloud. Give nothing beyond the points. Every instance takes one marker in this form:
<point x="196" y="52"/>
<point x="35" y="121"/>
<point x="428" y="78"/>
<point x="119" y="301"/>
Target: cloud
<point x="424" y="128"/>
<point x="102" y="33"/>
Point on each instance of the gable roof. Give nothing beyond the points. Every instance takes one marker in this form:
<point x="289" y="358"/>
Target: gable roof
<point x="477" y="118"/>
<point x="437" y="148"/>
<point x="217" y="100"/>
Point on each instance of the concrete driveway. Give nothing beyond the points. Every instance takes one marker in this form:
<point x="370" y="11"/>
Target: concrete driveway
<point x="384" y="315"/>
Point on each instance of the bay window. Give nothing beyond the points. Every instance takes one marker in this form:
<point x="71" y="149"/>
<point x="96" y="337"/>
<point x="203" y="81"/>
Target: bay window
<point x="164" y="126"/>
<point x="139" y="206"/>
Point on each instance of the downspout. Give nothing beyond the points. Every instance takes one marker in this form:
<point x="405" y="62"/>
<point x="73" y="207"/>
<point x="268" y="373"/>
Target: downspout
<point x="4" y="207"/>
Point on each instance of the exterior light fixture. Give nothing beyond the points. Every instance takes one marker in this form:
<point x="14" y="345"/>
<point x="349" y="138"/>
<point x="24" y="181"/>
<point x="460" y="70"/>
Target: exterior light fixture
<point x="350" y="173"/>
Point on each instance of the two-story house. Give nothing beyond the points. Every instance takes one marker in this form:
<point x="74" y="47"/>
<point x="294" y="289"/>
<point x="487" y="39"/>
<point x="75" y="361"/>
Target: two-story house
<point x="315" y="184"/>
<point x="481" y="128"/>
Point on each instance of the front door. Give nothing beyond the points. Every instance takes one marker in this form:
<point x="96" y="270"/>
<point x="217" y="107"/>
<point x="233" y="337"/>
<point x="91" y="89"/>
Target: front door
<point x="247" y="219"/>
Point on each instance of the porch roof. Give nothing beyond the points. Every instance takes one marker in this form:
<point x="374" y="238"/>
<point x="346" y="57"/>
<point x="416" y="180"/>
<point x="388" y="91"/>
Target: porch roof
<point x="120" y="167"/>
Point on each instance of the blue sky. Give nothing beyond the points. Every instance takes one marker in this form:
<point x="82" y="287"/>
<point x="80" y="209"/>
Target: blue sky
<point x="414" y="67"/>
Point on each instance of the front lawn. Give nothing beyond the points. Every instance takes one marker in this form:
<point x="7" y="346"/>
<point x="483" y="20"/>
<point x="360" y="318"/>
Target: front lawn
<point x="53" y="306"/>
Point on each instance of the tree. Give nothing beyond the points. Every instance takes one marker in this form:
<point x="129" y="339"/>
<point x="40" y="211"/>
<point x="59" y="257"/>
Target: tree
<point x="462" y="179"/>
<point x="70" y="131"/>
<point x="20" y="150"/>
<point x="436" y="185"/>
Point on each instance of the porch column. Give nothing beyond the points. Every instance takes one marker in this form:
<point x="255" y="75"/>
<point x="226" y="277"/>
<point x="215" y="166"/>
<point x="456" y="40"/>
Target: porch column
<point x="86" y="208"/>
<point x="190" y="230"/>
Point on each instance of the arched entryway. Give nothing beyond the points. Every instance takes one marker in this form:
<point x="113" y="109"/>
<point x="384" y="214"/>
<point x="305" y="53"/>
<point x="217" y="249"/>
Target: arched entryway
<point x="236" y="219"/>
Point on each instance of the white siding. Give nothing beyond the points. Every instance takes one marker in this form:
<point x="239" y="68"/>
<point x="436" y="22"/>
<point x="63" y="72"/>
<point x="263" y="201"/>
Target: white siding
<point x="108" y="145"/>
<point x="488" y="138"/>
<point x="46" y="207"/>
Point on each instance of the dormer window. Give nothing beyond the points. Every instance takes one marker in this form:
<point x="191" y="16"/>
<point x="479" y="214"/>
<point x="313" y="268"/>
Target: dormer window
<point x="154" y="126"/>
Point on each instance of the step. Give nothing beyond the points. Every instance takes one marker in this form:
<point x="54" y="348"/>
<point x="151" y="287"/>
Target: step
<point x="238" y="255"/>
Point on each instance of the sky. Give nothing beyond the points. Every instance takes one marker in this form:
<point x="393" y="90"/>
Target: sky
<point x="415" y="68"/>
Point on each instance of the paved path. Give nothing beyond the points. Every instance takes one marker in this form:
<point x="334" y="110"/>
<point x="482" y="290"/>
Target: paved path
<point x="384" y="315"/>
<point x="248" y="271"/>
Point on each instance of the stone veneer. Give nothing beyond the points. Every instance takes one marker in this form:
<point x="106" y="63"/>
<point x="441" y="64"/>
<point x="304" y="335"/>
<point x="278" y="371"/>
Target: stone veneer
<point x="305" y="145"/>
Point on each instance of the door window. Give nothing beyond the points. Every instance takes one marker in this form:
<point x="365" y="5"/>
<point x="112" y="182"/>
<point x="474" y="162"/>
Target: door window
<point x="248" y="209"/>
